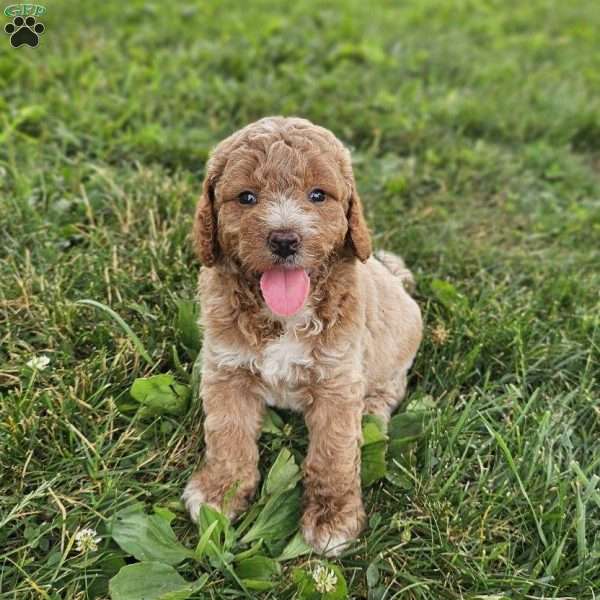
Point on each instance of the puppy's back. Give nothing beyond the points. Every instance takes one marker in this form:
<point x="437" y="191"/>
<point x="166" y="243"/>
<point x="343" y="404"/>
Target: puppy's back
<point x="395" y="264"/>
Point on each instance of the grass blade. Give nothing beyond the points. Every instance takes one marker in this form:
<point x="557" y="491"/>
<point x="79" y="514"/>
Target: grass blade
<point x="513" y="467"/>
<point x="119" y="320"/>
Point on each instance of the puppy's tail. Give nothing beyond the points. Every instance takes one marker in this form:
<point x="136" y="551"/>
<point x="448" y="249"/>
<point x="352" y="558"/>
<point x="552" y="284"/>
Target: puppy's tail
<point x="396" y="266"/>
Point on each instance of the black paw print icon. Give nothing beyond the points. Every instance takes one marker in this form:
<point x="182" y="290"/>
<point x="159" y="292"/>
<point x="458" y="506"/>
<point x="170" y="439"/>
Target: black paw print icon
<point x="24" y="31"/>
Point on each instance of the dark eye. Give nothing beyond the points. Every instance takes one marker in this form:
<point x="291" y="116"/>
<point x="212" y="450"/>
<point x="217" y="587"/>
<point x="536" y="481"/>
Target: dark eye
<point x="247" y="198"/>
<point x="317" y="196"/>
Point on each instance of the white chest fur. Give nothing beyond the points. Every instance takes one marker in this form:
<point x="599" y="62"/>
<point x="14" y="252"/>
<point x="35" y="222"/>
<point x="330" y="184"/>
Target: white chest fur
<point x="282" y="364"/>
<point x="283" y="359"/>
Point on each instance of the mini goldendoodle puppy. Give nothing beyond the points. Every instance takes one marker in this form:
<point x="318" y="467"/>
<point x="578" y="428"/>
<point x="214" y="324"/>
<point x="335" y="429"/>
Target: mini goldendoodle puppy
<point x="297" y="315"/>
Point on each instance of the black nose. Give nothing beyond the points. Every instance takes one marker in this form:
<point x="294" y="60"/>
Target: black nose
<point x="284" y="243"/>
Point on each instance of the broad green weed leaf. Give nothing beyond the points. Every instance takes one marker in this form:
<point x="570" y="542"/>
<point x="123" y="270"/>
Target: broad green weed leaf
<point x="278" y="519"/>
<point x="283" y="475"/>
<point x="272" y="423"/>
<point x="407" y="426"/>
<point x="224" y="534"/>
<point x="405" y="429"/>
<point x="373" y="466"/>
<point x="373" y="451"/>
<point x="296" y="547"/>
<point x="216" y="536"/>
<point x="372" y="575"/>
<point x="249" y="517"/>
<point x="258" y="567"/>
<point x="164" y="513"/>
<point x="373" y="429"/>
<point x="257" y="571"/>
<point x="152" y="581"/>
<point x="259" y="585"/>
<point x="252" y="551"/>
<point x="187" y="325"/>
<point x="160" y="394"/>
<point x="205" y="538"/>
<point x="147" y="537"/>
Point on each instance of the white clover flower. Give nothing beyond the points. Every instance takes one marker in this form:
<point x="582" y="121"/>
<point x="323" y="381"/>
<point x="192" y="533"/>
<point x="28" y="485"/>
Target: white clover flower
<point x="87" y="540"/>
<point x="325" y="579"/>
<point x="39" y="362"/>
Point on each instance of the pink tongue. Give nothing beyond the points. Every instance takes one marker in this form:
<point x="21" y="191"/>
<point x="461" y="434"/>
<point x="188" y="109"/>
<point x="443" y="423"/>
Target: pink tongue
<point x="285" y="290"/>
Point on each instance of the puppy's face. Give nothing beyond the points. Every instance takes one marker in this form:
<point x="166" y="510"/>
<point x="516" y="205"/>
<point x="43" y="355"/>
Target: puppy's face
<point x="279" y="193"/>
<point x="280" y="202"/>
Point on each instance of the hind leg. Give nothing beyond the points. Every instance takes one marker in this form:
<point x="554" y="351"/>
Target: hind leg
<point x="382" y="400"/>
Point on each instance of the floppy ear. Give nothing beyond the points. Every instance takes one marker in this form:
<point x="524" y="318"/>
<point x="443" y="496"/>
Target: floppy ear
<point x="358" y="232"/>
<point x="205" y="223"/>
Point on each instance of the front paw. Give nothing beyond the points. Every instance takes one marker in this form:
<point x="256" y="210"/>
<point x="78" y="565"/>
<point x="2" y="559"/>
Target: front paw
<point x="330" y="524"/>
<point x="225" y="490"/>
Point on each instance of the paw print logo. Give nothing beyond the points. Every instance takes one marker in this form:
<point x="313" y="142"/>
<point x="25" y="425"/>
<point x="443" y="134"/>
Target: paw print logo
<point x="24" y="31"/>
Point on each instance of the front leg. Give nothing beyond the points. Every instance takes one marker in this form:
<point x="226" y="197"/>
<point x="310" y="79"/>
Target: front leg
<point x="333" y="511"/>
<point x="229" y="474"/>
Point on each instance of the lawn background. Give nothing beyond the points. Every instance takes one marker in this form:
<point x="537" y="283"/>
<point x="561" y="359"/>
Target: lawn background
<point x="475" y="130"/>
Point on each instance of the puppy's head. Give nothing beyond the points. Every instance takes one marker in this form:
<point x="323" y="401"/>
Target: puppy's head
<point x="280" y="195"/>
<point x="279" y="192"/>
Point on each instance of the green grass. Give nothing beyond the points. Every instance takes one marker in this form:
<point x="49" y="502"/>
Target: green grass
<point x="475" y="128"/>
